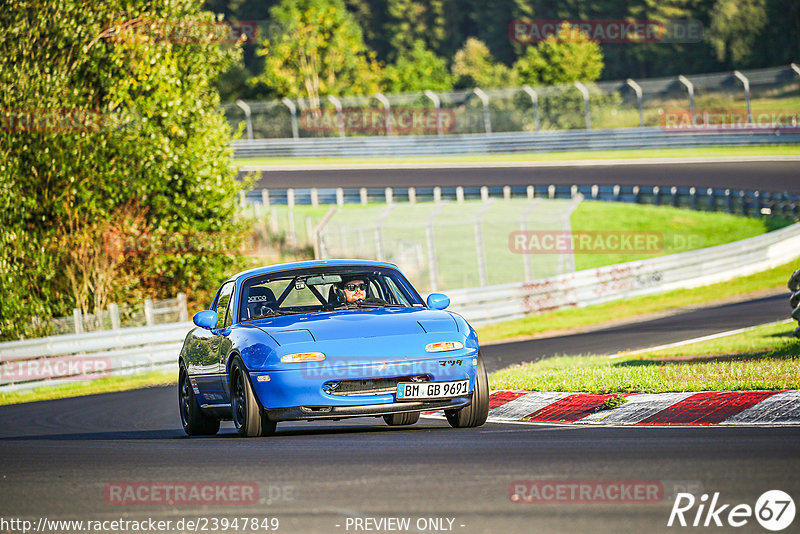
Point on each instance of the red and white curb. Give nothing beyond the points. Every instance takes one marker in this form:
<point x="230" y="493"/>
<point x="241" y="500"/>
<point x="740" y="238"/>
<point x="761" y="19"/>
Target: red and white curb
<point x="703" y="408"/>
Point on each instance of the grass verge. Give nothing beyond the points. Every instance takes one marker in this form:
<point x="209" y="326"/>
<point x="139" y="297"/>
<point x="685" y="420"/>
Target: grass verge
<point x="625" y="309"/>
<point x="766" y="357"/>
<point x="572" y="155"/>
<point x="91" y="387"/>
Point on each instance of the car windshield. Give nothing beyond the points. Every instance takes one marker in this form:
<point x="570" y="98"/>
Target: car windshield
<point x="325" y="289"/>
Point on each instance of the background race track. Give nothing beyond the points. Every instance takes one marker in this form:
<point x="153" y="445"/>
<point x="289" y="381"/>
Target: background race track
<point x="777" y="176"/>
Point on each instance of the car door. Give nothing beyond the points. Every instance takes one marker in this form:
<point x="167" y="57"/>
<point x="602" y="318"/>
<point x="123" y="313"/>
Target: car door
<point x="204" y="365"/>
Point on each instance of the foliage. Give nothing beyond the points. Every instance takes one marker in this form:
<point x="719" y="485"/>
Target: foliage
<point x="474" y="66"/>
<point x="110" y="127"/>
<point x="567" y="57"/>
<point x="318" y="50"/>
<point x="417" y="70"/>
<point x="734" y="27"/>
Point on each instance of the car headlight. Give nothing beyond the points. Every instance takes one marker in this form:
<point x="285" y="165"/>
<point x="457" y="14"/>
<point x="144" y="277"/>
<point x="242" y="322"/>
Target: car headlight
<point x="301" y="357"/>
<point x="444" y="346"/>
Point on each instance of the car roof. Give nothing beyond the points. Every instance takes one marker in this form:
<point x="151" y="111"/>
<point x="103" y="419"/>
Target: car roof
<point x="310" y="264"/>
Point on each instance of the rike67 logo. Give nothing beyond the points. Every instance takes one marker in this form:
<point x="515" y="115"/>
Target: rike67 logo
<point x="774" y="510"/>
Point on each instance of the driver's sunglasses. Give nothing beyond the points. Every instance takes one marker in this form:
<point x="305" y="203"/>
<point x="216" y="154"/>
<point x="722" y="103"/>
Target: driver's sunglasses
<point x="352" y="287"/>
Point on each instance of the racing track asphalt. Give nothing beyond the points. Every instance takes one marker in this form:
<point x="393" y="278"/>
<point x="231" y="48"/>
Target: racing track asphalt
<point x="56" y="458"/>
<point x="775" y="176"/>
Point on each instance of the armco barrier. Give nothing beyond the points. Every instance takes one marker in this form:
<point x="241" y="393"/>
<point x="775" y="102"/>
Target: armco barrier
<point x="30" y="363"/>
<point x="644" y="277"/>
<point x="543" y="141"/>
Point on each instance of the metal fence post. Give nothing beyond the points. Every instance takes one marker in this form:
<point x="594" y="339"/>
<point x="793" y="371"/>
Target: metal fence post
<point x="460" y="194"/>
<point x="437" y="105"/>
<point x="412" y="195"/>
<point x="480" y="252"/>
<point x="430" y="244"/>
<point x="290" y="197"/>
<point x="746" y="83"/>
<point x="314" y="197"/>
<point x="674" y="191"/>
<point x="585" y="92"/>
<point x="690" y="88"/>
<point x="693" y="198"/>
<point x="77" y="320"/>
<point x="339" y="196"/>
<point x="183" y="308"/>
<point x="362" y="193"/>
<point x="339" y="117"/>
<point x="484" y="193"/>
<point x="113" y="312"/>
<point x="149" y="316"/>
<point x="535" y="102"/>
<point x="389" y="194"/>
<point x="656" y="195"/>
<point x="638" y="90"/>
<point x="265" y="197"/>
<point x="506" y="192"/>
<point x="487" y="122"/>
<point x="387" y="112"/>
<point x="712" y="201"/>
<point x="437" y="194"/>
<point x="247" y="120"/>
<point x="293" y="110"/>
<point x="729" y="200"/>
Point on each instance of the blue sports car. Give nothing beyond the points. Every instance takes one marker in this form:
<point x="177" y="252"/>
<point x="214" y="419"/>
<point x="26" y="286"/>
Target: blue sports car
<point x="327" y="340"/>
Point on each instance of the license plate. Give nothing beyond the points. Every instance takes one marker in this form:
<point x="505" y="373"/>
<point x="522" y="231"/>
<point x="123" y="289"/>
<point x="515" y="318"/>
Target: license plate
<point x="431" y="390"/>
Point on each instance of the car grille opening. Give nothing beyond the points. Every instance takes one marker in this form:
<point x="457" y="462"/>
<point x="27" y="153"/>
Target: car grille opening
<point x="369" y="386"/>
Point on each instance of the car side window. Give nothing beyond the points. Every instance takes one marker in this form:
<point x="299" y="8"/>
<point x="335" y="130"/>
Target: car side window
<point x="222" y="304"/>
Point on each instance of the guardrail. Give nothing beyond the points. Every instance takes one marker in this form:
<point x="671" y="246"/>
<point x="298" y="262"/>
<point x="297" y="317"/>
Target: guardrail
<point x="54" y="360"/>
<point x="542" y="141"/>
<point x="794" y="300"/>
<point x="748" y="202"/>
<point x="644" y="277"/>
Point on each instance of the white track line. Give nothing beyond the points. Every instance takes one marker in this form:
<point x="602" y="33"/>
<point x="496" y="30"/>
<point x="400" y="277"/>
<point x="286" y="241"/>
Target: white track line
<point x="695" y="340"/>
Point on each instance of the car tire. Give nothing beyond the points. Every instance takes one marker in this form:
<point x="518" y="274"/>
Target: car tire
<point x="401" y="419"/>
<point x="194" y="421"/>
<point x="476" y="413"/>
<point x="248" y="417"/>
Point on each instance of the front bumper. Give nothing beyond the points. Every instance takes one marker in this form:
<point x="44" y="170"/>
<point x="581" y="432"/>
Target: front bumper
<point x="310" y="413"/>
<point x="288" y="389"/>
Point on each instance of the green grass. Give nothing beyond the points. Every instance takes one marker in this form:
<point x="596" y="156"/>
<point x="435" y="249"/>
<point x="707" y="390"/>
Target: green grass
<point x="766" y="357"/>
<point x="680" y="229"/>
<point x="572" y="155"/>
<point x="91" y="387"/>
<point x="629" y="308"/>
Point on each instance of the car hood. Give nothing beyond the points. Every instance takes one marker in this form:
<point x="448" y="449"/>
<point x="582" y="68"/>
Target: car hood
<point x="355" y="324"/>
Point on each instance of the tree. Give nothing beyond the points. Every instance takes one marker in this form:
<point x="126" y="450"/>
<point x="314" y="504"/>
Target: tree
<point x="735" y="25"/>
<point x="110" y="131"/>
<point x="319" y="50"/>
<point x="417" y="70"/>
<point x="568" y="57"/>
<point x="474" y="66"/>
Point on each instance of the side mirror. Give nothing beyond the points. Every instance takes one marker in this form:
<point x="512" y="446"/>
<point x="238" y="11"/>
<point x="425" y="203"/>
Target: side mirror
<point x="206" y="319"/>
<point x="438" y="301"/>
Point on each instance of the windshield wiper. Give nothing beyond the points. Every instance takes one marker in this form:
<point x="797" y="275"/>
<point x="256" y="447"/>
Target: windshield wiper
<point x="273" y="313"/>
<point x="363" y="304"/>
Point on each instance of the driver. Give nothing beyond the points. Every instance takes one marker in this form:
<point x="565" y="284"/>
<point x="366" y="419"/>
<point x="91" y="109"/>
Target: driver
<point x="355" y="289"/>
